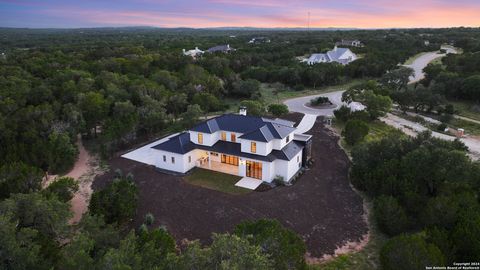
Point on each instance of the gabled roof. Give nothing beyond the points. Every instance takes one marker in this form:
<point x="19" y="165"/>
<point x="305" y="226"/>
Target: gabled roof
<point x="178" y="144"/>
<point x="336" y="53"/>
<point x="220" y="48"/>
<point x="253" y="128"/>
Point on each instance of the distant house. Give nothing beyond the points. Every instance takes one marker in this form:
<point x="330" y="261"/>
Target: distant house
<point x="193" y="53"/>
<point x="221" y="48"/>
<point x="259" y="40"/>
<point x="343" y="56"/>
<point x="350" y="43"/>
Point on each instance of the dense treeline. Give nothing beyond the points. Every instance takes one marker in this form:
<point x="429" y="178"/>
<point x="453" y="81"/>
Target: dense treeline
<point x="458" y="77"/>
<point x="426" y="193"/>
<point x="117" y="84"/>
<point x="35" y="234"/>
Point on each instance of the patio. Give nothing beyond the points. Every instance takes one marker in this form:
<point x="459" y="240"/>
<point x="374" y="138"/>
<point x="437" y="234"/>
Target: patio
<point x="219" y="167"/>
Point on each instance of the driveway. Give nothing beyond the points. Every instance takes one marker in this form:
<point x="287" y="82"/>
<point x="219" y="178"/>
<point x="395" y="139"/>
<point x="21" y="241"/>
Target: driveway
<point x="298" y="104"/>
<point x="422" y="61"/>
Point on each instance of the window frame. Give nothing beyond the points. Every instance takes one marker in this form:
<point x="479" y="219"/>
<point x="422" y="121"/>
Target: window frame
<point x="223" y="136"/>
<point x="233" y="137"/>
<point x="200" y="138"/>
<point x="253" y="147"/>
<point x="173" y="160"/>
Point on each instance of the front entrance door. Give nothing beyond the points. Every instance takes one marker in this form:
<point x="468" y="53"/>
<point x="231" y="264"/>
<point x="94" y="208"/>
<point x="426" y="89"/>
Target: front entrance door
<point x="254" y="169"/>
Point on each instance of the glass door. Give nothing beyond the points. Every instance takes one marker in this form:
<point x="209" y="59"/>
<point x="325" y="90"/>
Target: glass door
<point x="254" y="169"/>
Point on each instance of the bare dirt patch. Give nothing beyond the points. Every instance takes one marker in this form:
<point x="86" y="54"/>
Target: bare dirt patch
<point x="321" y="206"/>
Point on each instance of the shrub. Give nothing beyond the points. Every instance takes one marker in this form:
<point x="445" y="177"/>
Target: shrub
<point x="355" y="131"/>
<point x="343" y="113"/>
<point x="117" y="202"/>
<point x="441" y="127"/>
<point x="63" y="188"/>
<point x="149" y="219"/>
<point x="390" y="216"/>
<point x="282" y="245"/>
<point x="320" y="101"/>
<point x="409" y="252"/>
<point x="278" y="109"/>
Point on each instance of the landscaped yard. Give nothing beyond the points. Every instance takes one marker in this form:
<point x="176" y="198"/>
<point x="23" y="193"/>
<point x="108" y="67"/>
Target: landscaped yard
<point x="215" y="180"/>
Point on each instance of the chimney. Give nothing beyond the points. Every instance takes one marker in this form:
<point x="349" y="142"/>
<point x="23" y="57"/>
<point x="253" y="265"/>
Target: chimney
<point x="335" y="48"/>
<point x="196" y="48"/>
<point x="183" y="51"/>
<point x="243" y="110"/>
<point x="228" y="46"/>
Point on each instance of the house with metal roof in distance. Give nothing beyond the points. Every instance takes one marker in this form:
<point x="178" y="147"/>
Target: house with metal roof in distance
<point x="259" y="40"/>
<point x="221" y="48"/>
<point x="343" y="56"/>
<point x="254" y="147"/>
<point x="351" y="43"/>
<point x="193" y="53"/>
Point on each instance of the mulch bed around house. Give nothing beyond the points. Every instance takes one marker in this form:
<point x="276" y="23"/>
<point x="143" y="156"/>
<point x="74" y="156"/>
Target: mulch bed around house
<point x="320" y="206"/>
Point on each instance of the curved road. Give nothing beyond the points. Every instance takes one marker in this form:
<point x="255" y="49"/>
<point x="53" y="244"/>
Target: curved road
<point x="423" y="60"/>
<point x="409" y="127"/>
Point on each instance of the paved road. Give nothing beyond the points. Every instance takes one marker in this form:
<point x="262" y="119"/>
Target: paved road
<point x="298" y="104"/>
<point x="422" y="61"/>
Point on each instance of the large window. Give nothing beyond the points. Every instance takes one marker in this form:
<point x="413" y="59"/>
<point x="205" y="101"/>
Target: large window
<point x="200" y="138"/>
<point x="253" y="147"/>
<point x="232" y="160"/>
<point x="254" y="169"/>
<point x="224" y="136"/>
<point x="233" y="137"/>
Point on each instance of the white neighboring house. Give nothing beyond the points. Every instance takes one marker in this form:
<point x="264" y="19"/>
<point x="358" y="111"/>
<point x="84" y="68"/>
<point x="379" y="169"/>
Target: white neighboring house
<point x="347" y="42"/>
<point x="193" y="53"/>
<point x="258" y="40"/>
<point x="343" y="56"/>
<point x="237" y="144"/>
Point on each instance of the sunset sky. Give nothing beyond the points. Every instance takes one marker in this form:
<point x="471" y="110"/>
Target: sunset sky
<point x="257" y="13"/>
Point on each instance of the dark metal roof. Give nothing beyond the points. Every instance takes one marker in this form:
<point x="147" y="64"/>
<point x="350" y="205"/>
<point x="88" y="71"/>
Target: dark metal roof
<point x="220" y="48"/>
<point x="252" y="127"/>
<point x="181" y="144"/>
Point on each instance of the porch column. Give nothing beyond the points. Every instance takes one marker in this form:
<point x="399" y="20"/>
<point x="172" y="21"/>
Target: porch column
<point x="209" y="161"/>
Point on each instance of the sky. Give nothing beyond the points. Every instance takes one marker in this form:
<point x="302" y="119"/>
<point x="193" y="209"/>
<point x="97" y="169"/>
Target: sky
<point x="240" y="13"/>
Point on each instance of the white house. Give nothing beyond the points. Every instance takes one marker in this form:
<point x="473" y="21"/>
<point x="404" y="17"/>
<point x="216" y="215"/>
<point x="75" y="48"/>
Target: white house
<point x="347" y="42"/>
<point x="193" y="53"/>
<point x="259" y="40"/>
<point x="343" y="56"/>
<point x="238" y="144"/>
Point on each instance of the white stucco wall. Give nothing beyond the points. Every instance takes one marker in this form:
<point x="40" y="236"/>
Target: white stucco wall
<point x="181" y="163"/>
<point x="279" y="144"/>
<point x="208" y="139"/>
<point x="287" y="169"/>
<point x="262" y="147"/>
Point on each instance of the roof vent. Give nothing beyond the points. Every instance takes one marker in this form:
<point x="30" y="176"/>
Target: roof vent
<point x="243" y="110"/>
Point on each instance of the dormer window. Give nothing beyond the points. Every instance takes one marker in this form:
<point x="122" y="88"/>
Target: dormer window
<point x="233" y="137"/>
<point x="224" y="136"/>
<point x="253" y="147"/>
<point x="200" y="138"/>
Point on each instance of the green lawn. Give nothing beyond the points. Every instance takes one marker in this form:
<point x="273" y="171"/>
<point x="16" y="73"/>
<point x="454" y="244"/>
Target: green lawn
<point x="465" y="109"/>
<point x="469" y="127"/>
<point x="378" y="130"/>
<point x="268" y="96"/>
<point x="216" y="181"/>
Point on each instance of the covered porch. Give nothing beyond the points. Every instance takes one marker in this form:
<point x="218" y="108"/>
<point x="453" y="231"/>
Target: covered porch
<point x="219" y="162"/>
